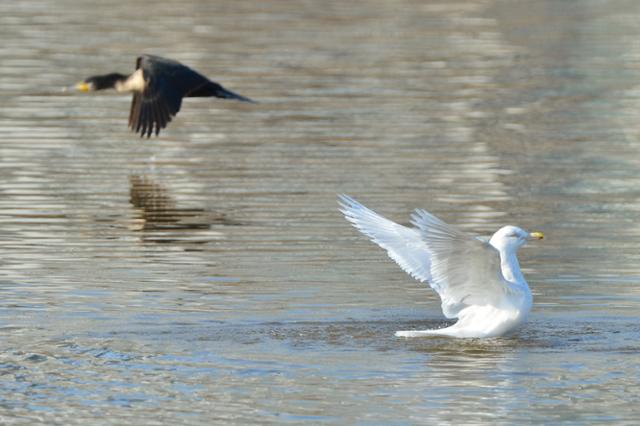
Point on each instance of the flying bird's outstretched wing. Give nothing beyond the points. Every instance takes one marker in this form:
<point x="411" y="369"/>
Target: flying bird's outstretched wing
<point x="166" y="83"/>
<point x="159" y="102"/>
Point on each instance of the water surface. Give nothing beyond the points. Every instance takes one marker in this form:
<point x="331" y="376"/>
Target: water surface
<point x="206" y="276"/>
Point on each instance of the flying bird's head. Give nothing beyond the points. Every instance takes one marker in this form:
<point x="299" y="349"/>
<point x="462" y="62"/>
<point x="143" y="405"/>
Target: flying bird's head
<point x="511" y="238"/>
<point x="100" y="82"/>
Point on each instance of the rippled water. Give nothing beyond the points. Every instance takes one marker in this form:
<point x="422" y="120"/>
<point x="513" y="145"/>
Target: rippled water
<point x="206" y="277"/>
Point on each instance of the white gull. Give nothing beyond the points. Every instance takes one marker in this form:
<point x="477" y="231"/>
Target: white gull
<point x="479" y="282"/>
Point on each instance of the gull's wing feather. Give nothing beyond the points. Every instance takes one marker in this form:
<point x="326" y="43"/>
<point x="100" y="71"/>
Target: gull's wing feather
<point x="404" y="245"/>
<point x="464" y="270"/>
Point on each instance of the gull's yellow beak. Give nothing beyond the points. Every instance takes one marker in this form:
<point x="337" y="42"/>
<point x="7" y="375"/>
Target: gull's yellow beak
<point x="536" y="235"/>
<point x="83" y="87"/>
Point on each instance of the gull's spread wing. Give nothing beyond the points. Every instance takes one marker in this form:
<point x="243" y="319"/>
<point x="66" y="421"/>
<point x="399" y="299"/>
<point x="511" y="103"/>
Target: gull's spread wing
<point x="462" y="269"/>
<point x="465" y="271"/>
<point x="403" y="244"/>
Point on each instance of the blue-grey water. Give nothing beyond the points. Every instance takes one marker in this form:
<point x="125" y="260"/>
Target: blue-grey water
<point x="206" y="276"/>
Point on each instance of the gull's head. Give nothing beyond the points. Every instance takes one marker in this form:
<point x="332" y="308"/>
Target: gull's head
<point x="511" y="238"/>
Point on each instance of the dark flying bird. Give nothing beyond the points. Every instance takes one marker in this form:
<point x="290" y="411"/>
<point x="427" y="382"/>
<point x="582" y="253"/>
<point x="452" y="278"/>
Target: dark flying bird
<point x="158" y="86"/>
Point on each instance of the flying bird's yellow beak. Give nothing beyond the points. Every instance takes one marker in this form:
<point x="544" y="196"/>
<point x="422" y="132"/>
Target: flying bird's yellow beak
<point x="537" y="235"/>
<point x="83" y="87"/>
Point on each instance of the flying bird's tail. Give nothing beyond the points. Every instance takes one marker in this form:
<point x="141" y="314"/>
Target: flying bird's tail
<point x="215" y="89"/>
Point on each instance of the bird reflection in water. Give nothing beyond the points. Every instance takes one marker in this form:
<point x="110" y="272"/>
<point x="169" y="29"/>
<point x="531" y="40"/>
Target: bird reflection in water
<point x="162" y="221"/>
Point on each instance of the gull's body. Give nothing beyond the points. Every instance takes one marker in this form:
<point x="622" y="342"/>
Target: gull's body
<point x="479" y="282"/>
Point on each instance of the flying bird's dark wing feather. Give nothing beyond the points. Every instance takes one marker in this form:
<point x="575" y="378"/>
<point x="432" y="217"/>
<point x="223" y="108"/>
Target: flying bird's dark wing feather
<point x="152" y="109"/>
<point x="167" y="82"/>
<point x="186" y="81"/>
<point x="160" y="123"/>
<point x="143" y="117"/>
<point x="134" y="111"/>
